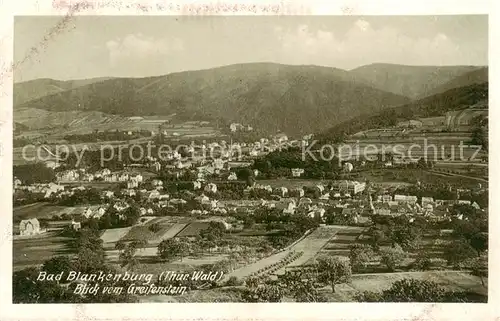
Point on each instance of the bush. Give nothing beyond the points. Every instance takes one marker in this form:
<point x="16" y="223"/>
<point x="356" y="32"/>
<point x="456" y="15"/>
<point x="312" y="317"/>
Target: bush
<point x="154" y="227"/>
<point x="234" y="281"/>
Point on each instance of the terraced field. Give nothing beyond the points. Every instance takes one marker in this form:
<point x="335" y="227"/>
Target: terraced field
<point x="339" y="244"/>
<point x="293" y="256"/>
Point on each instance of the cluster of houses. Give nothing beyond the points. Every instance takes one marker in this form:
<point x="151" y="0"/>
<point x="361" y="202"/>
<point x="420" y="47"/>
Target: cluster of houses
<point x="408" y="204"/>
<point x="44" y="190"/>
<point x="81" y="175"/>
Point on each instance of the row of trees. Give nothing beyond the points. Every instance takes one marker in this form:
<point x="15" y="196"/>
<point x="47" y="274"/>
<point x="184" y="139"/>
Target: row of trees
<point x="279" y="164"/>
<point x="302" y="285"/>
<point x="34" y="173"/>
<point x="305" y="284"/>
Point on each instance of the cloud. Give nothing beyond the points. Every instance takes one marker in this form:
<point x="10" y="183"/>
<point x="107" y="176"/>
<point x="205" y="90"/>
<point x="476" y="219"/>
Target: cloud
<point x="362" y="44"/>
<point x="136" y="47"/>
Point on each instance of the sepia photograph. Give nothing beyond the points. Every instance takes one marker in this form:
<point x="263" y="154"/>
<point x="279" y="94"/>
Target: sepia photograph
<point x="257" y="159"/>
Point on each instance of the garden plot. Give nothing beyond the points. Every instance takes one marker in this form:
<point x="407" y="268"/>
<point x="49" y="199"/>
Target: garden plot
<point x="339" y="245"/>
<point x="114" y="235"/>
<point x="172" y="231"/>
<point x="295" y="255"/>
<point x="168" y="227"/>
<point x="254" y="268"/>
<point x="312" y="244"/>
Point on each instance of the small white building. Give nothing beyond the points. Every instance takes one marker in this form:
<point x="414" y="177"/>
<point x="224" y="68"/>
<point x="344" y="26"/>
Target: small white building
<point x="29" y="227"/>
<point x="297" y="172"/>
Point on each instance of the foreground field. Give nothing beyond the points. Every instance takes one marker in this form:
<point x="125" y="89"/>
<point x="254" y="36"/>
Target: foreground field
<point x="34" y="251"/>
<point x="452" y="280"/>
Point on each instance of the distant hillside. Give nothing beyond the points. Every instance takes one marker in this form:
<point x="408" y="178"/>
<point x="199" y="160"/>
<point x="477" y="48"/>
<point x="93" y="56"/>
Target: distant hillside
<point x="436" y="105"/>
<point x="409" y="81"/>
<point x="33" y="119"/>
<point x="477" y="76"/>
<point x="270" y="97"/>
<point x="34" y="89"/>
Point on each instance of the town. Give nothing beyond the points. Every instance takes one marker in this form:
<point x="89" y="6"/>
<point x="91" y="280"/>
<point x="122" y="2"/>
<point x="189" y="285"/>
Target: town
<point x="227" y="159"/>
<point x="251" y="210"/>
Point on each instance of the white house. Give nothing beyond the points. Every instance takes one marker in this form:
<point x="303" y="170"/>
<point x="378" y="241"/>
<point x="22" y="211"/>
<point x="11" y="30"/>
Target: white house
<point x="427" y="200"/>
<point x="136" y="177"/>
<point x="132" y="184"/>
<point x="129" y="192"/>
<point x="299" y="191"/>
<point x="156" y="182"/>
<point x="282" y="191"/>
<point x="154" y="195"/>
<point x="202" y="199"/>
<point x="317" y="212"/>
<point x="76" y="225"/>
<point x="211" y="187"/>
<point x="297" y="172"/>
<point x="108" y="194"/>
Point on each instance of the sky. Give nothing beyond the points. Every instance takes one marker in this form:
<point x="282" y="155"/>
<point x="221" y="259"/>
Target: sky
<point x="141" y="46"/>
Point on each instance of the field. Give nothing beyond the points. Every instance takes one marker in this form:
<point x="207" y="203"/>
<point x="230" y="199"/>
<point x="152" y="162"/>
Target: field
<point x="169" y="226"/>
<point x="34" y="251"/>
<point x="194" y="229"/>
<point x="308" y="247"/>
<point x="55" y="125"/>
<point x="338" y="244"/>
<point x="452" y="280"/>
<point x="413" y="175"/>
<point x="114" y="235"/>
<point x="41" y="210"/>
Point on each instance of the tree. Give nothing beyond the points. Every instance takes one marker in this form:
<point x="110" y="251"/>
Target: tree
<point x="393" y="257"/>
<point x="58" y="264"/>
<point x="213" y="232"/>
<point x="301" y="285"/>
<point x="479" y="242"/>
<point x="88" y="261"/>
<point x="173" y="248"/>
<point x="120" y="245"/>
<point x="360" y="255"/>
<point x="155" y="227"/>
<point x="412" y="290"/>
<point x="244" y="174"/>
<point x="422" y="262"/>
<point x="333" y="270"/>
<point x="377" y="237"/>
<point x="267" y="291"/>
<point x="128" y="256"/>
<point x="406" y="236"/>
<point x="223" y="265"/>
<point x="458" y="252"/>
<point x="26" y="289"/>
<point x="480" y="268"/>
<point x="140" y="244"/>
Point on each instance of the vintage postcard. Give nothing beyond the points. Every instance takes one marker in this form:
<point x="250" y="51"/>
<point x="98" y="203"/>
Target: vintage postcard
<point x="248" y="153"/>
